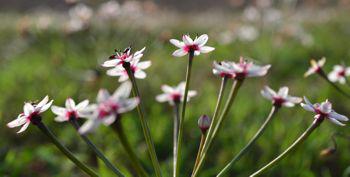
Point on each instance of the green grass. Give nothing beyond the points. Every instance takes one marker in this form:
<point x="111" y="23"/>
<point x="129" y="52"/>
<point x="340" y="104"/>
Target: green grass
<point x="41" y="63"/>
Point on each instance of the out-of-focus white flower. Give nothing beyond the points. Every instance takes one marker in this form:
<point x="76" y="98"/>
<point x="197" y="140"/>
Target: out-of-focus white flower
<point x="316" y="66"/>
<point x="135" y="66"/>
<point x="245" y="69"/>
<point x="264" y="3"/>
<point x="108" y="107"/>
<point x="247" y="33"/>
<point x="71" y="111"/>
<point x="120" y="57"/>
<point x="109" y="10"/>
<point x="31" y="113"/>
<point x="226" y="37"/>
<point x="224" y="69"/>
<point x="272" y="16"/>
<point x="251" y="14"/>
<point x="281" y="98"/>
<point x="324" y="111"/>
<point x="339" y="74"/>
<point x="174" y="94"/>
<point x="188" y="45"/>
<point x="43" y="22"/>
<point x="81" y="12"/>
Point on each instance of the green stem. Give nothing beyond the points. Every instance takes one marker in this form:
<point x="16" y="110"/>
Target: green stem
<point x="182" y="118"/>
<point x="273" y="112"/>
<point x="300" y="140"/>
<point x="63" y="149"/>
<point x="233" y="93"/>
<point x="217" y="109"/>
<point x="96" y="150"/>
<point x="324" y="76"/>
<point x="145" y="129"/>
<point x="118" y="128"/>
<point x="175" y="134"/>
<point x="200" y="149"/>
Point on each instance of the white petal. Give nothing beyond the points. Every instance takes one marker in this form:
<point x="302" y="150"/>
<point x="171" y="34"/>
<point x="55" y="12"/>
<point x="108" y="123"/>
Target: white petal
<point x="109" y="120"/>
<point x="294" y="99"/>
<point x="310" y="71"/>
<point x="89" y="126"/>
<point x="258" y="71"/>
<point x="307" y="107"/>
<point x="28" y="108"/>
<point x="326" y="107"/>
<point x="128" y="105"/>
<point x="167" y="89"/>
<point x="201" y="40"/>
<point x="102" y="95"/>
<point x="46" y="107"/>
<point x="24" y="127"/>
<point x="335" y="121"/>
<point x="321" y="62"/>
<point x="268" y="93"/>
<point x="179" y="53"/>
<point x="58" y="110"/>
<point x="196" y="53"/>
<point x="70" y="104"/>
<point x="139" y="52"/>
<point x="42" y="103"/>
<point x="187" y="40"/>
<point x="333" y="76"/>
<point x="162" y="97"/>
<point x="191" y="93"/>
<point x="111" y="63"/>
<point x="140" y="74"/>
<point x="144" y="64"/>
<point x="337" y="116"/>
<point x="61" y="119"/>
<point x="347" y="71"/>
<point x="342" y="80"/>
<point x="123" y="91"/>
<point x="283" y="92"/>
<point x="177" y="43"/>
<point x="123" y="78"/>
<point x="82" y="105"/>
<point x="206" y="49"/>
<point x="288" y="104"/>
<point x="20" y="120"/>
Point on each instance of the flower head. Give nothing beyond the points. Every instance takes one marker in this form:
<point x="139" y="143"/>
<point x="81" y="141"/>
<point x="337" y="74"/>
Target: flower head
<point x="245" y="69"/>
<point x="71" y="111"/>
<point x="224" y="69"/>
<point x="339" y="74"/>
<point x="197" y="46"/>
<point x="316" y="66"/>
<point x="136" y="67"/>
<point x="324" y="111"/>
<point x="120" y="57"/>
<point x="31" y="113"/>
<point x="174" y="94"/>
<point x="204" y="123"/>
<point x="281" y="98"/>
<point x="108" y="107"/>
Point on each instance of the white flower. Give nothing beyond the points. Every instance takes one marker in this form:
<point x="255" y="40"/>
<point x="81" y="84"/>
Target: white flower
<point x="108" y="107"/>
<point x="188" y="45"/>
<point x="71" y="111"/>
<point x="81" y="12"/>
<point x="120" y="57"/>
<point x="324" y="110"/>
<point x="175" y="94"/>
<point x="136" y="68"/>
<point x="30" y="113"/>
<point x="281" y="98"/>
<point x="224" y="69"/>
<point x="109" y="10"/>
<point x="315" y="66"/>
<point x="247" y="33"/>
<point x="245" y="69"/>
<point x="339" y="74"/>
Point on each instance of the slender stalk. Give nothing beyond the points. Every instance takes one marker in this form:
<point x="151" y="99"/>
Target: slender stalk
<point x="217" y="109"/>
<point x="300" y="140"/>
<point x="324" y="76"/>
<point x="273" y="112"/>
<point x="63" y="149"/>
<point x="233" y="93"/>
<point x="145" y="129"/>
<point x="182" y="118"/>
<point x="175" y="134"/>
<point x="93" y="147"/>
<point x="200" y="149"/>
<point x="118" y="128"/>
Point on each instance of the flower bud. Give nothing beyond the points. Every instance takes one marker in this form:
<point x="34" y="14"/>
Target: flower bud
<point x="204" y="123"/>
<point x="327" y="152"/>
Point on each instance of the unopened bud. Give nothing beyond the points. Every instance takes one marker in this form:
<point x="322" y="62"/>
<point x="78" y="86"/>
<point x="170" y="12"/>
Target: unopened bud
<point x="327" y="152"/>
<point x="204" y="123"/>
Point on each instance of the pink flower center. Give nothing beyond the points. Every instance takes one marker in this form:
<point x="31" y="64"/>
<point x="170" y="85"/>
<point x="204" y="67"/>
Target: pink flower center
<point x="189" y="48"/>
<point x="32" y="116"/>
<point x="176" y="97"/>
<point x="319" y="112"/>
<point x="71" y="115"/>
<point x="278" y="101"/>
<point x="227" y="75"/>
<point x="341" y="73"/>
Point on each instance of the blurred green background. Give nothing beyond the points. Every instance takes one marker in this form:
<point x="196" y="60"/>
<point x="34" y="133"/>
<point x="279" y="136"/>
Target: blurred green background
<point x="58" y="52"/>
